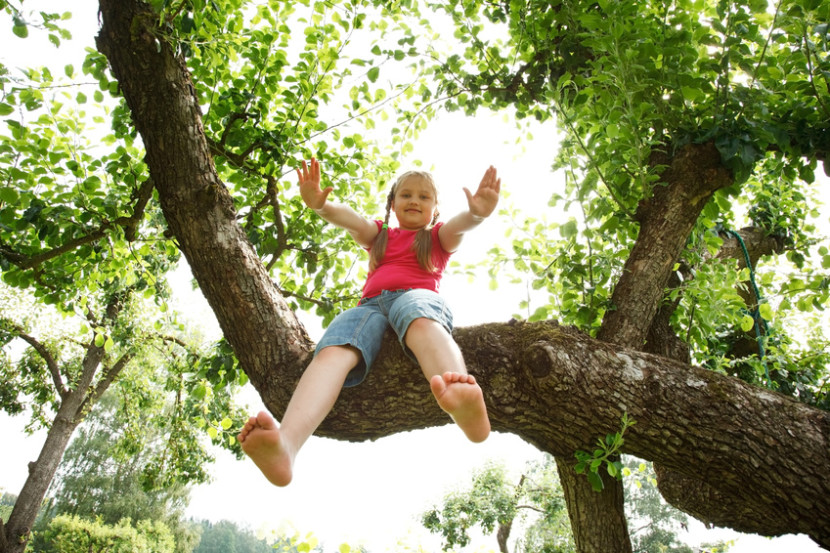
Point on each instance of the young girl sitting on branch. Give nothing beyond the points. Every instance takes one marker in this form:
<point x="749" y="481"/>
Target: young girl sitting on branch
<point x="401" y="291"/>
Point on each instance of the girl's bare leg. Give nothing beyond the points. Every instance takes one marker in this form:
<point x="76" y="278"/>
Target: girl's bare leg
<point x="457" y="392"/>
<point x="273" y="448"/>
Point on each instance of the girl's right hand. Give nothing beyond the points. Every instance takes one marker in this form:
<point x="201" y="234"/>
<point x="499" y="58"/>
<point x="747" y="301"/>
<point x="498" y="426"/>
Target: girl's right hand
<point x="309" y="180"/>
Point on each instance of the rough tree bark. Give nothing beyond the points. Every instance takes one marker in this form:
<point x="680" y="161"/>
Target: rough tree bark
<point x="550" y="385"/>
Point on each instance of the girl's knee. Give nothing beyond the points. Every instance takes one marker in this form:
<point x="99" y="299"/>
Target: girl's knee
<point x="421" y="323"/>
<point x="423" y="326"/>
<point x="341" y="354"/>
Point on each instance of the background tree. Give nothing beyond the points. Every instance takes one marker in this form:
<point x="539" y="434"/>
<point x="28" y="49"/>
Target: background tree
<point x="160" y="391"/>
<point x="657" y="156"/>
<point x="536" y="506"/>
<point x="6" y="503"/>
<point x="110" y="471"/>
<point x="226" y="536"/>
<point x="498" y="506"/>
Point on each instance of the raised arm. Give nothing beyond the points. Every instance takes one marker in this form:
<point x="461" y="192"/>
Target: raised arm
<point x="362" y="230"/>
<point x="481" y="205"/>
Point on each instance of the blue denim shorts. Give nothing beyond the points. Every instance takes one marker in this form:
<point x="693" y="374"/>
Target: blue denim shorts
<point x="363" y="326"/>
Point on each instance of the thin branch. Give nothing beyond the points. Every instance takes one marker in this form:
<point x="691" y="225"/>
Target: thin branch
<point x="810" y="72"/>
<point x="530" y="508"/>
<point x="129" y="224"/>
<point x="109" y="377"/>
<point x="593" y="162"/>
<point x="320" y="303"/>
<point x="51" y="362"/>
<point x="360" y="114"/>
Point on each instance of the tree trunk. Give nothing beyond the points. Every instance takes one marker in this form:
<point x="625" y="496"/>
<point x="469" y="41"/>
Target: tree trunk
<point x="596" y="524"/>
<point x="503" y="535"/>
<point x="197" y="207"/>
<point x="684" y="492"/>
<point x="666" y="220"/>
<point x="41" y="472"/>
<point x="554" y="387"/>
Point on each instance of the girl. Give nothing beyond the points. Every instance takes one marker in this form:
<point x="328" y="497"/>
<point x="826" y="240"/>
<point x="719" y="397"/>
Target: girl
<point x="401" y="291"/>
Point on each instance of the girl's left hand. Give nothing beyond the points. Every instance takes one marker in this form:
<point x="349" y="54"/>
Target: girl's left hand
<point x="484" y="201"/>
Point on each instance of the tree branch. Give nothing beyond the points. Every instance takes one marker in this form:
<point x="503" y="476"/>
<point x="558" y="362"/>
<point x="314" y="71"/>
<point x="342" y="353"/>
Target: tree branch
<point x="43" y="351"/>
<point x="104" y="383"/>
<point x="129" y="224"/>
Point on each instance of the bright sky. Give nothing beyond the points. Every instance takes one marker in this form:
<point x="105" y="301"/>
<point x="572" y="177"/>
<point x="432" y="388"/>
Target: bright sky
<point x="369" y="493"/>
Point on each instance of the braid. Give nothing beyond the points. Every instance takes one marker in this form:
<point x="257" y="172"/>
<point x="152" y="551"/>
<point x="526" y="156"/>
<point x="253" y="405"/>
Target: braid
<point x="379" y="245"/>
<point x="423" y="245"/>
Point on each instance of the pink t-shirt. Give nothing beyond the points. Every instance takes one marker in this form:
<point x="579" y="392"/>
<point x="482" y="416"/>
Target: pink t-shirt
<point x="400" y="269"/>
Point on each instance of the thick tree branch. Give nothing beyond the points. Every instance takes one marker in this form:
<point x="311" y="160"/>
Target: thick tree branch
<point x="666" y="219"/>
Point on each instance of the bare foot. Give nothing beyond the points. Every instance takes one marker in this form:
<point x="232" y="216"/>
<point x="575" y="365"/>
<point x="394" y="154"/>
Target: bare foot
<point x="459" y="395"/>
<point x="260" y="440"/>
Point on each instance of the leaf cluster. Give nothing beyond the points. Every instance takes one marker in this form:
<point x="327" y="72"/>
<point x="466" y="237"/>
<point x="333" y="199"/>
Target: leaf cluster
<point x="606" y="454"/>
<point x="629" y="85"/>
<point x="75" y="210"/>
<point x="69" y="534"/>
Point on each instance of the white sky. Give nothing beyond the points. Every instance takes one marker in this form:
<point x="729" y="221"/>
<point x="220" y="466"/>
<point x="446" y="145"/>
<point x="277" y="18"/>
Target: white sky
<point x="369" y="493"/>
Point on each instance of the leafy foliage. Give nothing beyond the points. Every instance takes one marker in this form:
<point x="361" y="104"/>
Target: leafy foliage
<point x="629" y="84"/>
<point x="69" y="534"/>
<point x="269" y="95"/>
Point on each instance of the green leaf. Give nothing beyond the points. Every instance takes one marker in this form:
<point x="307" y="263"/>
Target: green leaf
<point x="19" y="27"/>
<point x="568" y="230"/>
<point x="9" y="195"/>
<point x="747" y="323"/>
<point x="226" y="423"/>
<point x="200" y="391"/>
<point x="596" y="481"/>
<point x="373" y="74"/>
<point x="6" y="109"/>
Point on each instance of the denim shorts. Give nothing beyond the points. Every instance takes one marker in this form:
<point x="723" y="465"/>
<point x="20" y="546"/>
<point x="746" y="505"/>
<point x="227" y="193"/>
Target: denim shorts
<point x="363" y="326"/>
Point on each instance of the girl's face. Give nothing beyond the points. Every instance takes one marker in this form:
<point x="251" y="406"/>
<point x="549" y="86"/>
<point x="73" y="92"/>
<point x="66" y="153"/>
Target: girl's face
<point x="415" y="203"/>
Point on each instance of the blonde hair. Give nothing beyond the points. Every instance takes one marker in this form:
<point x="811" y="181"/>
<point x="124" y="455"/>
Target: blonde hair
<point x="423" y="239"/>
